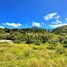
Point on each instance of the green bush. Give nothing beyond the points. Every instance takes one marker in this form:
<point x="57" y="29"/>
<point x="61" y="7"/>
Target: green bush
<point x="64" y="41"/>
<point x="37" y="42"/>
<point x="51" y="46"/>
<point x="60" y="50"/>
<point x="17" y="41"/>
<point x="65" y="45"/>
<point x="28" y="41"/>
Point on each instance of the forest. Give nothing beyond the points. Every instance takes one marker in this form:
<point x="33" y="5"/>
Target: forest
<point x="35" y="35"/>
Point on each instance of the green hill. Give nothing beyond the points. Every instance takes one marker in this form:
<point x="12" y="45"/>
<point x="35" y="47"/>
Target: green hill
<point x="33" y="47"/>
<point x="60" y="30"/>
<point x="35" y="35"/>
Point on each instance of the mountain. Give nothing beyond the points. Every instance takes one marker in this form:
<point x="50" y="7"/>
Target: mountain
<point x="24" y="30"/>
<point x="60" y="30"/>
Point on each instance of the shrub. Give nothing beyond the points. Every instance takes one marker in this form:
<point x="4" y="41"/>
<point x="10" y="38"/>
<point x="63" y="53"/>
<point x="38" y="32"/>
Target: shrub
<point x="28" y="41"/>
<point x="65" y="45"/>
<point x="64" y="41"/>
<point x="17" y="41"/>
<point x="37" y="42"/>
<point x="60" y="50"/>
<point x="51" y="46"/>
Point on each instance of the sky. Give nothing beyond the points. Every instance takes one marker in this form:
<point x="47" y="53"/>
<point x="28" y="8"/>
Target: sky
<point x="48" y="14"/>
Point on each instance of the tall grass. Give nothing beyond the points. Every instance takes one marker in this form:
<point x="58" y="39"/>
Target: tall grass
<point x="30" y="55"/>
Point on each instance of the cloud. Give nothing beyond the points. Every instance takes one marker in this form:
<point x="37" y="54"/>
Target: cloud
<point x="52" y="16"/>
<point x="57" y="17"/>
<point x="57" y="22"/>
<point x="66" y="19"/>
<point x="2" y="27"/>
<point x="58" y="25"/>
<point x="36" y="24"/>
<point x="13" y="24"/>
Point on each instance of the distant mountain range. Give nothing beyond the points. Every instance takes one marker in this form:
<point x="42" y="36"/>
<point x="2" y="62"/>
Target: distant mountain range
<point x="58" y="30"/>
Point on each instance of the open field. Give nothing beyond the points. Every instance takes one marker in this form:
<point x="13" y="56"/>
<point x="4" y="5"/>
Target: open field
<point x="33" y="33"/>
<point x="30" y="55"/>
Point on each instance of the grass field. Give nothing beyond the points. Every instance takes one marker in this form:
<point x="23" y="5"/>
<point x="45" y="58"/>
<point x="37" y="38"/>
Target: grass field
<point x="30" y="55"/>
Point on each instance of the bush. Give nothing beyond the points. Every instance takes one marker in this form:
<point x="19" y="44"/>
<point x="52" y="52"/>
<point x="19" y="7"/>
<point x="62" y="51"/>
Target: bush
<point x="65" y="45"/>
<point x="51" y="46"/>
<point x="28" y="41"/>
<point x="60" y="50"/>
<point x="64" y="41"/>
<point x="17" y="41"/>
<point x="37" y="42"/>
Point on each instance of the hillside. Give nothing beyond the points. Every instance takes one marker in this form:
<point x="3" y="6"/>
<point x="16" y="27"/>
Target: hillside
<point x="24" y="30"/>
<point x="33" y="47"/>
<point x="60" y="30"/>
<point x="35" y="35"/>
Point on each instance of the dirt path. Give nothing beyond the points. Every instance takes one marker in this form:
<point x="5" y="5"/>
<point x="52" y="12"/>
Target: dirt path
<point x="9" y="41"/>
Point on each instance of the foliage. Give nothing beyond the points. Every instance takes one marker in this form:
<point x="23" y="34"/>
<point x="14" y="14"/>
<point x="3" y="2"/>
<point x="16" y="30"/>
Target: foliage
<point x="35" y="35"/>
<point x="37" y="42"/>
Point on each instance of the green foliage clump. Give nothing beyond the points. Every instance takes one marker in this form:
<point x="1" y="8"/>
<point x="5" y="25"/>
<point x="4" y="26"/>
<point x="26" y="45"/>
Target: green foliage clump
<point x="65" y="45"/>
<point x="60" y="50"/>
<point x="37" y="42"/>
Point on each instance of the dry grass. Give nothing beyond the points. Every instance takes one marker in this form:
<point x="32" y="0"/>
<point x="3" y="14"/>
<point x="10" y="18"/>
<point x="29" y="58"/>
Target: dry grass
<point x="30" y="55"/>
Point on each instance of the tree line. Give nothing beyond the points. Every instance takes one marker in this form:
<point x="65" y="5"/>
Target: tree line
<point x="32" y="35"/>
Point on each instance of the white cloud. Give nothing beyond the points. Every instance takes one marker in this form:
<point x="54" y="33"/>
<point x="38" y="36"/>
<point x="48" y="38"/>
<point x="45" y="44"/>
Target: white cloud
<point x="36" y="24"/>
<point x="58" y="25"/>
<point x="13" y="24"/>
<point x="57" y="17"/>
<point x="2" y="27"/>
<point x="57" y="22"/>
<point x="66" y="19"/>
<point x="50" y="16"/>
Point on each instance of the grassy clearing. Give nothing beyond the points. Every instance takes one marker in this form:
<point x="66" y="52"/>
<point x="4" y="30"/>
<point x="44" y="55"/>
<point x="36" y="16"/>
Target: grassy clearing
<point x="30" y="55"/>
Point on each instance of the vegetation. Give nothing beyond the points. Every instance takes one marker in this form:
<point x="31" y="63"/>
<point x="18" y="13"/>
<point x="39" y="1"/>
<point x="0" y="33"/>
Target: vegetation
<point x="30" y="55"/>
<point x="35" y="35"/>
<point x="34" y="47"/>
<point x="60" y="30"/>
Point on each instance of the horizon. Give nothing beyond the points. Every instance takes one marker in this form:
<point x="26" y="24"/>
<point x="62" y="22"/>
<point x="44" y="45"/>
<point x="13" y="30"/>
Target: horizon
<point x="35" y="28"/>
<point x="19" y="14"/>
